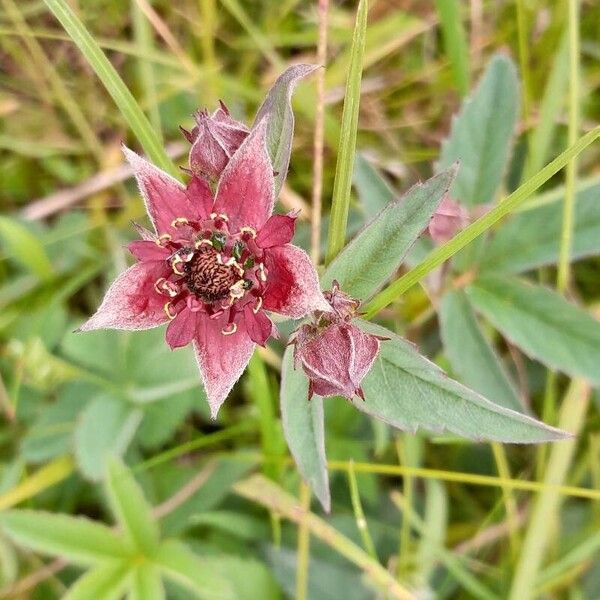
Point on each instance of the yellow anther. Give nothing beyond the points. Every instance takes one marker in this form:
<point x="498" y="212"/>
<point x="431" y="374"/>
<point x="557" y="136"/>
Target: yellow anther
<point x="165" y="237"/>
<point x="176" y="261"/>
<point x="163" y="286"/>
<point x="237" y="289"/>
<point x="248" y="230"/>
<point x="261" y="272"/>
<point x="230" y="329"/>
<point x="221" y="216"/>
<point x="259" y="303"/>
<point x="202" y="242"/>
<point x="179" y="222"/>
<point x="167" y="308"/>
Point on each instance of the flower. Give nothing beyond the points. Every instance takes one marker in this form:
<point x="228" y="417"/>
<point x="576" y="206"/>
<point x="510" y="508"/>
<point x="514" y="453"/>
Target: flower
<point x="215" y="139"/>
<point x="335" y="354"/>
<point x="213" y="267"/>
<point x="448" y="219"/>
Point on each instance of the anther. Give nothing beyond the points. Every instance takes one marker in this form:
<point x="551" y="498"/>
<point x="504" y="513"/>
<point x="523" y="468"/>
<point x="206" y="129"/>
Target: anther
<point x="249" y="230"/>
<point x="201" y="242"/>
<point x="261" y="272"/>
<point x="258" y="306"/>
<point x="167" y="308"/>
<point x="163" y="286"/>
<point x="221" y="216"/>
<point x="230" y="329"/>
<point x="162" y="239"/>
<point x="179" y="222"/>
<point x="237" y="290"/>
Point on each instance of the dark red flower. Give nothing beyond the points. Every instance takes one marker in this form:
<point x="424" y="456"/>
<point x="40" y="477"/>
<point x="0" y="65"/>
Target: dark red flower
<point x="333" y="352"/>
<point x="213" y="267"/>
<point x="215" y="139"/>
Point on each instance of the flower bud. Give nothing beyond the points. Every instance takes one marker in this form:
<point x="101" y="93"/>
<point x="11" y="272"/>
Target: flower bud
<point x="448" y="220"/>
<point x="215" y="138"/>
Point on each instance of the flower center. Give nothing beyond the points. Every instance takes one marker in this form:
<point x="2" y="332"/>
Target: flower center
<point x="207" y="277"/>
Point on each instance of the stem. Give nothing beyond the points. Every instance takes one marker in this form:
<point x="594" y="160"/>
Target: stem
<point x="359" y="515"/>
<point x="303" y="553"/>
<point x="466" y="236"/>
<point x="510" y="506"/>
<point x="545" y="511"/>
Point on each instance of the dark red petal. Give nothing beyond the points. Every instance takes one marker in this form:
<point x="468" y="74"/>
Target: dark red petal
<point x="221" y="359"/>
<point x="182" y="328"/>
<point x="277" y="231"/>
<point x="165" y="197"/>
<point x="147" y="251"/>
<point x="365" y="348"/>
<point x="245" y="192"/>
<point x="200" y="196"/>
<point x="258" y="325"/>
<point x="131" y="302"/>
<point x="292" y="283"/>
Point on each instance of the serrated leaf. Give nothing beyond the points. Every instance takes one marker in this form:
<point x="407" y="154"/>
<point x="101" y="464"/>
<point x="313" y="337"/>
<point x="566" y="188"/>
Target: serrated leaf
<point x="277" y="108"/>
<point x="373" y="190"/>
<point x="146" y="583"/>
<point x="375" y="254"/>
<point x="481" y="134"/>
<point x="471" y="355"/>
<point x="531" y="239"/>
<point x="79" y="540"/>
<point x="22" y="245"/>
<point x="131" y="509"/>
<point x="195" y="573"/>
<point x="105" y="428"/>
<point x="540" y="322"/>
<point x="409" y="392"/>
<point x="106" y="582"/>
<point x="303" y="427"/>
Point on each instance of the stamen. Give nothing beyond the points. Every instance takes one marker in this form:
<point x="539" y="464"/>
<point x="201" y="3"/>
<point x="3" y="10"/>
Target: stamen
<point x="167" y="308"/>
<point x="179" y="222"/>
<point x="221" y="216"/>
<point x="259" y="303"/>
<point x="237" y="290"/>
<point x="201" y="242"/>
<point x="163" y="286"/>
<point x="162" y="239"/>
<point x="249" y="230"/>
<point x="237" y="249"/>
<point x="230" y="329"/>
<point x="261" y="272"/>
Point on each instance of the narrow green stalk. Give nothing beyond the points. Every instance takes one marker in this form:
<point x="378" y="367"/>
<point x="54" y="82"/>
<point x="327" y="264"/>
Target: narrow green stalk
<point x="107" y="74"/>
<point x="340" y="201"/>
<point x="510" y="506"/>
<point x="524" y="58"/>
<point x="359" y="515"/>
<point x="566" y="238"/>
<point x="208" y="32"/>
<point x="303" y="551"/>
<point x="445" y="251"/>
<point x="545" y="510"/>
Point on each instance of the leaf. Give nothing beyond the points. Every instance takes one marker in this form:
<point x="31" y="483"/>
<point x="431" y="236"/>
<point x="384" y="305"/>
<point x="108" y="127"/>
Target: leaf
<point x="79" y="540"/>
<point x="531" y="239"/>
<point x="373" y="190"/>
<point x="197" y="574"/>
<point x="471" y="355"/>
<point x="22" y="245"/>
<point x="106" y="582"/>
<point x="105" y="428"/>
<point x="146" y="583"/>
<point x="540" y="322"/>
<point x="375" y="254"/>
<point x="131" y="509"/>
<point x="344" y="167"/>
<point x="303" y="427"/>
<point x="409" y="392"/>
<point x="481" y="134"/>
<point x="277" y="108"/>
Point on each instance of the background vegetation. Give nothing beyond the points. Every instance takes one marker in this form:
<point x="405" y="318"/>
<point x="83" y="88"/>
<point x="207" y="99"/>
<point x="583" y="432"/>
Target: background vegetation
<point x="443" y="516"/>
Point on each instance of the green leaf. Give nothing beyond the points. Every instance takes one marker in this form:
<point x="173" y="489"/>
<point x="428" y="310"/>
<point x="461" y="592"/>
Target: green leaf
<point x="106" y="582"/>
<point x="471" y="355"/>
<point x="373" y="190"/>
<point x="303" y="426"/>
<point x="131" y="509"/>
<point x="540" y="322"/>
<point x="77" y="539"/>
<point x="195" y="573"/>
<point x="375" y="254"/>
<point x="409" y="392"/>
<point x="106" y="428"/>
<point x="532" y="238"/>
<point x="22" y="245"/>
<point x="146" y="583"/>
<point x="114" y="85"/>
<point x="277" y="108"/>
<point x="482" y="133"/>
<point x="344" y="167"/>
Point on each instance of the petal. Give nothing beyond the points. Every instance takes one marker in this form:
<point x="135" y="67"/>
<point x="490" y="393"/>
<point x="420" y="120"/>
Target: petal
<point x="145" y="250"/>
<point x="245" y="192"/>
<point x="131" y="302"/>
<point x="182" y="329"/>
<point x="365" y="350"/>
<point x="293" y="285"/>
<point x="258" y="326"/>
<point x="200" y="196"/>
<point x="278" y="230"/>
<point x="164" y="196"/>
<point x="221" y="358"/>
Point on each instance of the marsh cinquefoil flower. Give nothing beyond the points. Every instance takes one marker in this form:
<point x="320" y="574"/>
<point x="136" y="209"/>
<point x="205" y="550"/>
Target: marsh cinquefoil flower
<point x="333" y="352"/>
<point x="213" y="266"/>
